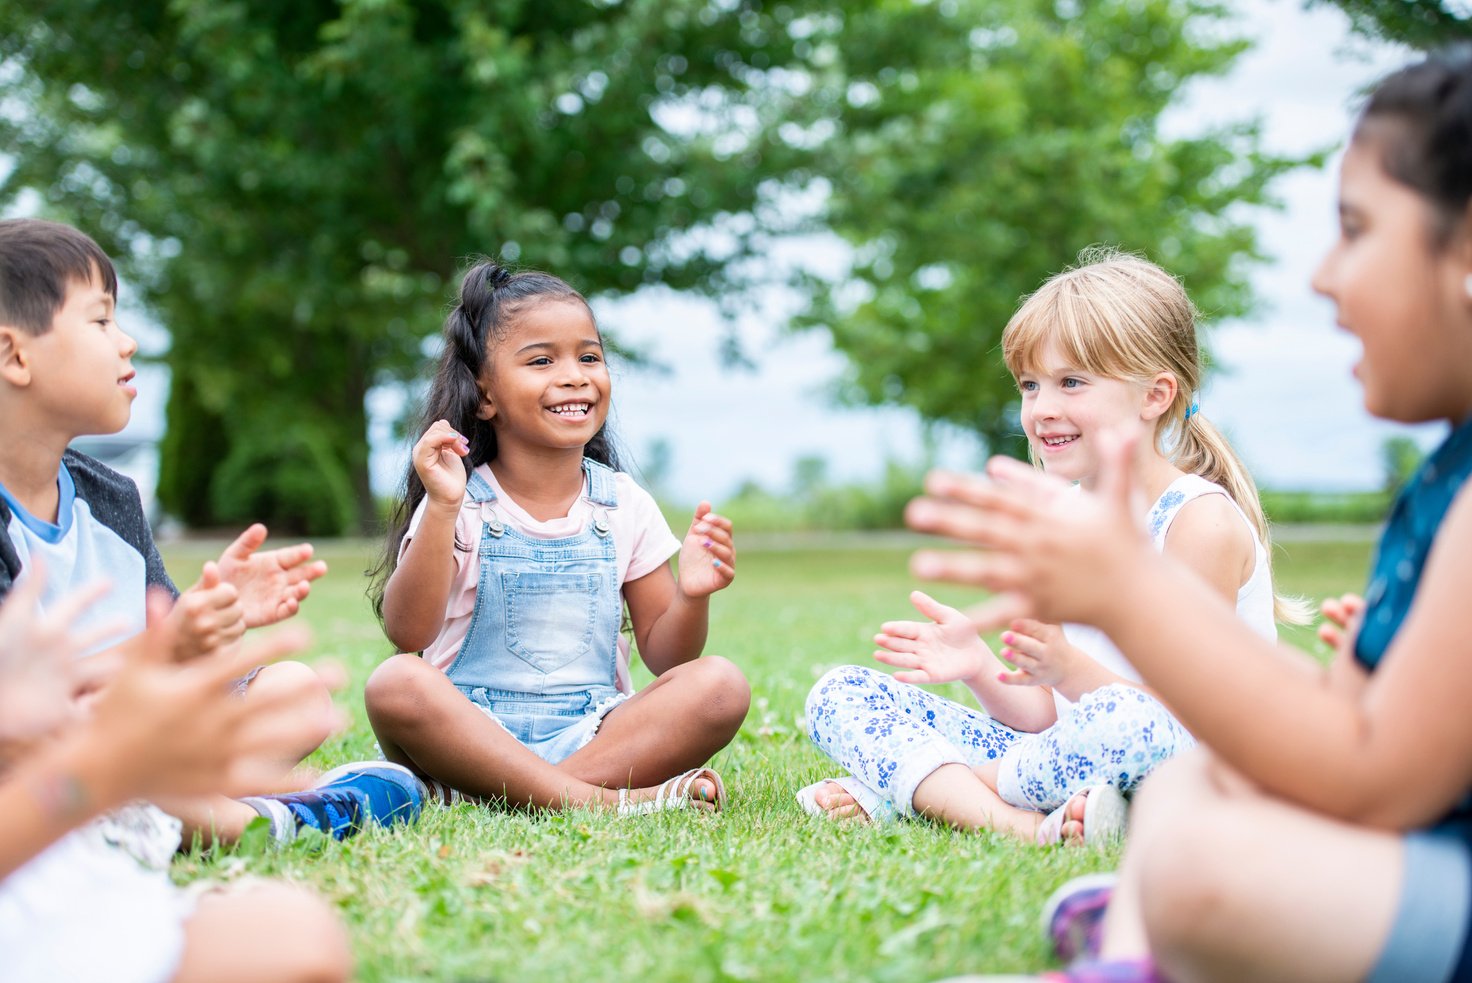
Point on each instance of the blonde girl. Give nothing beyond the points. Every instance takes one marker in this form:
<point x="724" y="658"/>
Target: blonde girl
<point x="1327" y="833"/>
<point x="1109" y="345"/>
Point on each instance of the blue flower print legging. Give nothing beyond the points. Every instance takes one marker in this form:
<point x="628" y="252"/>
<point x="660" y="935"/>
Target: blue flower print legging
<point x="891" y="735"/>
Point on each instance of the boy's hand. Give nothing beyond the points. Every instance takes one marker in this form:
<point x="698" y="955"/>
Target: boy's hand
<point x="273" y="584"/>
<point x="207" y="616"/>
<point x="1042" y="655"/>
<point x="438" y="460"/>
<point x="707" y="555"/>
<point x="943" y="650"/>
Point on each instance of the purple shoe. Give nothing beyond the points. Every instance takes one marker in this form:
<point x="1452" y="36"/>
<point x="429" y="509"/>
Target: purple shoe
<point x="1073" y="916"/>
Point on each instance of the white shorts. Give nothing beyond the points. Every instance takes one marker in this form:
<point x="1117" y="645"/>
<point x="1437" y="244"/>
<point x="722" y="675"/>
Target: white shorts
<point x="87" y="910"/>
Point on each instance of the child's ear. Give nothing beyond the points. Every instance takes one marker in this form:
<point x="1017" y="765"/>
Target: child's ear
<point x="487" y="408"/>
<point x="1159" y="395"/>
<point x="15" y="362"/>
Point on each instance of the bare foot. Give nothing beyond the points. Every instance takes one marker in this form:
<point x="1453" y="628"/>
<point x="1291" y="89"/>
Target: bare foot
<point x="837" y="803"/>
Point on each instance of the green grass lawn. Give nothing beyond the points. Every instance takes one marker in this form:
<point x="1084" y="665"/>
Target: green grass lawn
<point x="760" y="892"/>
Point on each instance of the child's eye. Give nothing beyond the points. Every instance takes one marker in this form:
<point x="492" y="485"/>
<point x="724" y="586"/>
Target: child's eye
<point x="540" y="360"/>
<point x="1027" y="386"/>
<point x="591" y="359"/>
<point x="1072" y="383"/>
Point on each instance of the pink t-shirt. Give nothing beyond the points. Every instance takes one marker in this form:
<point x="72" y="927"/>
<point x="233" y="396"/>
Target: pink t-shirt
<point x="641" y="538"/>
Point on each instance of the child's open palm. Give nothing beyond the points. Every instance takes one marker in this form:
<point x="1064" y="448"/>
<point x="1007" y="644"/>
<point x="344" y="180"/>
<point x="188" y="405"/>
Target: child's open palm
<point x="942" y="650"/>
<point x="271" y="584"/>
<point x="707" y="554"/>
<point x="439" y="462"/>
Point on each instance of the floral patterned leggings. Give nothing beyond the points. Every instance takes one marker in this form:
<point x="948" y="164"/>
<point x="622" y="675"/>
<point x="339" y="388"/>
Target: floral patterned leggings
<point x="890" y="736"/>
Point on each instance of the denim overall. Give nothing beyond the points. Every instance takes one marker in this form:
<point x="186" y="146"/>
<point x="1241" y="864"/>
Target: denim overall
<point x="540" y="655"/>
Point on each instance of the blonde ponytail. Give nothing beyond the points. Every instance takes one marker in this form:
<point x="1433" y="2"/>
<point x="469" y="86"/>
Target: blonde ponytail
<point x="1203" y="450"/>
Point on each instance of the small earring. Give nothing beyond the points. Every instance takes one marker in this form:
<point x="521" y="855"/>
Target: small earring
<point x="1467" y="285"/>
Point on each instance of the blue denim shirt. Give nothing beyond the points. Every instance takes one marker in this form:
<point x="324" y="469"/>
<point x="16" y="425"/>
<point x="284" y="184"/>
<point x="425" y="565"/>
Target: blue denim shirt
<point x="1404" y="545"/>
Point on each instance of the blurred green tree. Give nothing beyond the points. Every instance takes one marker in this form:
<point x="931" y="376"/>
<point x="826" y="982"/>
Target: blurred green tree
<point x="981" y="144"/>
<point x="1421" y="24"/>
<point x="291" y="186"/>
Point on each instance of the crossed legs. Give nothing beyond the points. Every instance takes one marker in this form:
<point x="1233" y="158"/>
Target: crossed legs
<point x="676" y="723"/>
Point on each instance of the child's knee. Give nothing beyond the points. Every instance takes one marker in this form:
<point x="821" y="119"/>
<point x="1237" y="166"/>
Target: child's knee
<point x="284" y="932"/>
<point x="311" y="701"/>
<point x="725" y="692"/>
<point x="393" y="691"/>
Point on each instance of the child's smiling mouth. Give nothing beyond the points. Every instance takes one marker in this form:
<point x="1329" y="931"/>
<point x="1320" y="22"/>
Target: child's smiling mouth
<point x="572" y="411"/>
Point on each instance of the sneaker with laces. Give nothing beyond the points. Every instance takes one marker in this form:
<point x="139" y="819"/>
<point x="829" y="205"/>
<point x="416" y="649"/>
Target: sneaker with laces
<point x="352" y="796"/>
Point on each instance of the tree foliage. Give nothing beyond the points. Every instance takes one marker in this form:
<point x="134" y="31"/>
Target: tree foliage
<point x="1421" y="24"/>
<point x="292" y="185"/>
<point x="982" y="144"/>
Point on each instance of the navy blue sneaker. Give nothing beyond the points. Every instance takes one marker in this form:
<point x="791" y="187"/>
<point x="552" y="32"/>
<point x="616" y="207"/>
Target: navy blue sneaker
<point x="352" y="796"/>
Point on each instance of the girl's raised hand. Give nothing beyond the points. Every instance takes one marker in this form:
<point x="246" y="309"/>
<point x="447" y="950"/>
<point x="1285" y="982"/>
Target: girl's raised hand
<point x="707" y="555"/>
<point x="438" y="460"/>
<point x="1342" y="616"/>
<point x="942" y="650"/>
<point x="1041" y="654"/>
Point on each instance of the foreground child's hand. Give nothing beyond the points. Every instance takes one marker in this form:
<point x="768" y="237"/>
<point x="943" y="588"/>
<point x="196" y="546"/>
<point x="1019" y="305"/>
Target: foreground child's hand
<point x="1041" y="654"/>
<point x="271" y="585"/>
<point x="707" y="555"/>
<point x="438" y="460"/>
<point x="941" y="651"/>
<point x="206" y="617"/>
<point x="41" y="665"/>
<point x="1046" y="552"/>
<point x="171" y="729"/>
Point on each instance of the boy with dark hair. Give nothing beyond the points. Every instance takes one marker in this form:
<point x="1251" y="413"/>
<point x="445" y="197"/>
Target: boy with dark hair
<point x="65" y="372"/>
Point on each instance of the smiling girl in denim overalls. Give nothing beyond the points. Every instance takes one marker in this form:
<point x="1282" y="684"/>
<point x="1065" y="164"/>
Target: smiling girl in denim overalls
<point x="511" y="559"/>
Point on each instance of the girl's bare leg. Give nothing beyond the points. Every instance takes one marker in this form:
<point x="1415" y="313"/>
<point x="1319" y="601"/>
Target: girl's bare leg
<point x="955" y="795"/>
<point x="267" y="931"/>
<point x="1226" y="883"/>
<point x="424" y="722"/>
<point x="672" y="725"/>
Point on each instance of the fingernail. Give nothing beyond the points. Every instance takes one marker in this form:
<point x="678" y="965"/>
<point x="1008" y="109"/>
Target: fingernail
<point x="715" y="563"/>
<point x="706" y="544"/>
<point x="1006" y="638"/>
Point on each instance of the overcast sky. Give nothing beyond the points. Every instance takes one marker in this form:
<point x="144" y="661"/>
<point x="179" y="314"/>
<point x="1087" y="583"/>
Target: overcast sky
<point x="1287" y="398"/>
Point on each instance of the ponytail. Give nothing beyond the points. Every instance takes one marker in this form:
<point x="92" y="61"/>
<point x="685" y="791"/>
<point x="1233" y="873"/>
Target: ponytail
<point x="1202" y="449"/>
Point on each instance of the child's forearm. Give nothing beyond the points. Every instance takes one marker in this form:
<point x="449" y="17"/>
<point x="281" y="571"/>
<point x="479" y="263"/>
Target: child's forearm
<point x="1028" y="709"/>
<point x="63" y="786"/>
<point x="415" y="596"/>
<point x="678" y="635"/>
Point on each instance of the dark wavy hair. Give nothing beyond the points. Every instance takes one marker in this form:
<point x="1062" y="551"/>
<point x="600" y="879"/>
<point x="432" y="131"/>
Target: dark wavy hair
<point x="491" y="298"/>
<point x="1420" y="120"/>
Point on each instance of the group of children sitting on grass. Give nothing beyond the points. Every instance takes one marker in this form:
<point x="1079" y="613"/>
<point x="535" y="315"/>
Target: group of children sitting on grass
<point x="1131" y="581"/>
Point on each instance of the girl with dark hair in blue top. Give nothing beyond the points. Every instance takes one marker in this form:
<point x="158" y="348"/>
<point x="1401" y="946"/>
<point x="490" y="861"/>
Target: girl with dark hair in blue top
<point x="1327" y="832"/>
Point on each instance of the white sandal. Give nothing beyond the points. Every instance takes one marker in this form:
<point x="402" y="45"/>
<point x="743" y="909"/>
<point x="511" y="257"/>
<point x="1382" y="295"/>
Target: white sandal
<point x="876" y="810"/>
<point x="673" y="794"/>
<point x="1105" y="813"/>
